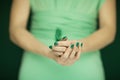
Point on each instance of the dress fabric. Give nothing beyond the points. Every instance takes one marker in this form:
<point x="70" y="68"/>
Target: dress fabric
<point x="53" y="19"/>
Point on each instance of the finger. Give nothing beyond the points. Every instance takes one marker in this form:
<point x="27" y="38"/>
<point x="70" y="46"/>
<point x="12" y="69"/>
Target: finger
<point x="64" y="38"/>
<point x="58" y="53"/>
<point x="77" y="55"/>
<point x="74" y="51"/>
<point x="67" y="53"/>
<point x="59" y="49"/>
<point x="72" y="55"/>
<point x="62" y="43"/>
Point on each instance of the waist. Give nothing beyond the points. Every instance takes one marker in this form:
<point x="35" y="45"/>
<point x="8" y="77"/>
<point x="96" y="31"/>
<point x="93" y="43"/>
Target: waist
<point x="50" y="20"/>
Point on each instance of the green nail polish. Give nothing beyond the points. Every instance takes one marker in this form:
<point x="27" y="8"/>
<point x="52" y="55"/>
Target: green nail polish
<point x="72" y="46"/>
<point x="58" y="34"/>
<point x="64" y="37"/>
<point x="50" y="47"/>
<point x="81" y="44"/>
<point x="55" y="43"/>
<point x="77" y="44"/>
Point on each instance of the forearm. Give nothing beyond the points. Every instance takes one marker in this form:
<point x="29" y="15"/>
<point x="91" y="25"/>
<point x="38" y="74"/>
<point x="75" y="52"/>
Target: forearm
<point x="98" y="39"/>
<point x="27" y="41"/>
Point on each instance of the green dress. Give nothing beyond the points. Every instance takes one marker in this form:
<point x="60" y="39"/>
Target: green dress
<point x="53" y="19"/>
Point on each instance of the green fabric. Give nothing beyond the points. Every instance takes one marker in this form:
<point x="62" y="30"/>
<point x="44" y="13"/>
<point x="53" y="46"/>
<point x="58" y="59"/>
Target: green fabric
<point x="53" y="19"/>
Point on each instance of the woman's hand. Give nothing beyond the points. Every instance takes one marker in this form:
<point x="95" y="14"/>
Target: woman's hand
<point x="58" y="50"/>
<point x="67" y="52"/>
<point x="71" y="54"/>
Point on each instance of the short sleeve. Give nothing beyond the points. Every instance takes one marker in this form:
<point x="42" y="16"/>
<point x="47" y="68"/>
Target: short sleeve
<point x="101" y="2"/>
<point x="32" y="5"/>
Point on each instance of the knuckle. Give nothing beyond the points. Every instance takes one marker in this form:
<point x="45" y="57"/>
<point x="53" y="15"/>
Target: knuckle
<point x="64" y="57"/>
<point x="60" y="53"/>
<point x="77" y="58"/>
<point x="54" y="48"/>
<point x="71" y="57"/>
<point x="64" y="48"/>
<point x="56" y="53"/>
<point x="76" y="49"/>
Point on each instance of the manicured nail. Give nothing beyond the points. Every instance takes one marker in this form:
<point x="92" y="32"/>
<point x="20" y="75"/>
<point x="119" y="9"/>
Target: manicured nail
<point x="55" y="43"/>
<point x="64" y="37"/>
<point x="72" y="46"/>
<point x="77" y="44"/>
<point x="50" y="47"/>
<point x="81" y="44"/>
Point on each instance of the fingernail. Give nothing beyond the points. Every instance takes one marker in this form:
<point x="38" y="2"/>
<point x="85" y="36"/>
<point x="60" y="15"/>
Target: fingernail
<point x="81" y="44"/>
<point x="55" y="43"/>
<point x="50" y="47"/>
<point x="72" y="46"/>
<point x="64" y="37"/>
<point x="77" y="44"/>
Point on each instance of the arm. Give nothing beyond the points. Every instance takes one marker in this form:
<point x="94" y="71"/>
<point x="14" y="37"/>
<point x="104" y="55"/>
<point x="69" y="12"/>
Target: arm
<point x="98" y="40"/>
<point x="106" y="33"/>
<point x="18" y="33"/>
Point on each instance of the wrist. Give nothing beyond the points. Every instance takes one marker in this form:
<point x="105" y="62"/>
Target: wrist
<point x="48" y="53"/>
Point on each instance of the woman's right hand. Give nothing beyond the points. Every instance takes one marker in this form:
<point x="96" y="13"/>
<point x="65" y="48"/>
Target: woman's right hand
<point x="59" y="48"/>
<point x="69" y="57"/>
<point x="55" y="55"/>
<point x="66" y="55"/>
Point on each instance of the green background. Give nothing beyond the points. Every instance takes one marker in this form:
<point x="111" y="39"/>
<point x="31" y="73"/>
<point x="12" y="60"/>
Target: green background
<point x="10" y="54"/>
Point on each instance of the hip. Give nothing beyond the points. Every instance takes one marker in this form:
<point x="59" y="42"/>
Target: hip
<point x="88" y="67"/>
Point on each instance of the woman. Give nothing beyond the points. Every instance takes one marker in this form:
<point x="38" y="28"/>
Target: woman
<point x="66" y="59"/>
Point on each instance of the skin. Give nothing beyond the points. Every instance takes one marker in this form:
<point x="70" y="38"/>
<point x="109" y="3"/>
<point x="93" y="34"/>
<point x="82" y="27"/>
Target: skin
<point x="107" y="18"/>
<point x="20" y="36"/>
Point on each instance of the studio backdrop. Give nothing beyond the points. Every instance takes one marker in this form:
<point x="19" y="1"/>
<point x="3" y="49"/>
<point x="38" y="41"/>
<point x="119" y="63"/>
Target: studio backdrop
<point x="10" y="54"/>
